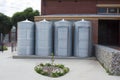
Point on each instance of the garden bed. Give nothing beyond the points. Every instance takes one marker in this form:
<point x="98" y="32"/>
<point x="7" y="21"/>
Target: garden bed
<point x="51" y="70"/>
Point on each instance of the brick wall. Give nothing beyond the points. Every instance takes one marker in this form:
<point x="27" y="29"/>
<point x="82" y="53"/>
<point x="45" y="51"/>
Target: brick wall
<point x="108" y="2"/>
<point x="69" y="7"/>
<point x="119" y="32"/>
<point x="95" y="31"/>
<point x="73" y="6"/>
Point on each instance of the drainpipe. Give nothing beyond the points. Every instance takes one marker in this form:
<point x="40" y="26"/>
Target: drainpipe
<point x="119" y="32"/>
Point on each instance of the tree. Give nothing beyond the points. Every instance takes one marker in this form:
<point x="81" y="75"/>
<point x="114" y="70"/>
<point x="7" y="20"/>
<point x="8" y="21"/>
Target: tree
<point x="28" y="13"/>
<point x="18" y="16"/>
<point x="5" y="24"/>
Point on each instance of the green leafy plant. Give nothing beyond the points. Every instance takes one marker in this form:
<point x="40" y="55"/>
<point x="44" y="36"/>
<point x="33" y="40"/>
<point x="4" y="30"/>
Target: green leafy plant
<point x="48" y="64"/>
<point x="66" y="70"/>
<point x="55" y="75"/>
<point x="4" y="48"/>
<point x="52" y="58"/>
<point x="50" y="70"/>
<point x="41" y="64"/>
<point x="61" y="66"/>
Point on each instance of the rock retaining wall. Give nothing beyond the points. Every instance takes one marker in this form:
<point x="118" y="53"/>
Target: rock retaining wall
<point x="109" y="58"/>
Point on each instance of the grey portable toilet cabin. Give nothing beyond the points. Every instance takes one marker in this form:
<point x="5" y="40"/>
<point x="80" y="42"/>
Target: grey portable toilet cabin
<point x="44" y="38"/>
<point x="25" y="44"/>
<point x="63" y="38"/>
<point x="82" y="39"/>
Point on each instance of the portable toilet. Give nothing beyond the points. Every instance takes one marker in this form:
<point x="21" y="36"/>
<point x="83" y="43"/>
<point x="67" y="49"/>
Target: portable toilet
<point x="63" y="38"/>
<point x="82" y="39"/>
<point x="43" y="37"/>
<point x="25" y="44"/>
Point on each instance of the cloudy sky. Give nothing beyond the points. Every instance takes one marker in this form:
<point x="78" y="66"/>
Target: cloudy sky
<point x="9" y="7"/>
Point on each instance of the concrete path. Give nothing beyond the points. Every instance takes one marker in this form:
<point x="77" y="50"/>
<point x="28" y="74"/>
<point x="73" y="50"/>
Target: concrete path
<point x="23" y="69"/>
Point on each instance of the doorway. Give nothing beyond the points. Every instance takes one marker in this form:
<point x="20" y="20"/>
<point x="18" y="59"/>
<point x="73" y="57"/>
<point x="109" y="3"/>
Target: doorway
<point x="108" y="32"/>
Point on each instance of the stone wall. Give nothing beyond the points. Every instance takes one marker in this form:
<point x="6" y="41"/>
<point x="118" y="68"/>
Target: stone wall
<point x="109" y="58"/>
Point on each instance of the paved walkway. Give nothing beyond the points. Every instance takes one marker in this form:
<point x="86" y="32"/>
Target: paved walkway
<point x="23" y="69"/>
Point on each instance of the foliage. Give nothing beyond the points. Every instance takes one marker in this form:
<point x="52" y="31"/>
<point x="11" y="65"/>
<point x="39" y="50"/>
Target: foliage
<point x="51" y="70"/>
<point x="5" y="24"/>
<point x="4" y="48"/>
<point x="52" y="58"/>
<point x="47" y="64"/>
<point x="28" y="13"/>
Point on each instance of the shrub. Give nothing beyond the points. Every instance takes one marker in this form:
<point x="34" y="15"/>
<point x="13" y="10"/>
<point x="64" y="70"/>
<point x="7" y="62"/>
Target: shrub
<point x="48" y="64"/>
<point x="50" y="70"/>
<point x="38" y="70"/>
<point x="41" y="64"/>
<point x="4" y="48"/>
<point x="55" y="75"/>
<point x="61" y="66"/>
<point x="66" y="70"/>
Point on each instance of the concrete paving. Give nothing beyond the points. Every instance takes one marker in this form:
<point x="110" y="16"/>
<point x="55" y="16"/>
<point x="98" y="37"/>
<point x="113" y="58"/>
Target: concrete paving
<point x="23" y="69"/>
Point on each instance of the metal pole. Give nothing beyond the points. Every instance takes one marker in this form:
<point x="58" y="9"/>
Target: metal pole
<point x="11" y="41"/>
<point x="0" y="40"/>
<point x="15" y="39"/>
<point x="2" y="43"/>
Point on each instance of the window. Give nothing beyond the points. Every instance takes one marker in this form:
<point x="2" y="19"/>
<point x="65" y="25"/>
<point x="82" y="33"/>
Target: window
<point x="112" y="10"/>
<point x="60" y="1"/>
<point x="108" y="10"/>
<point x="119" y="10"/>
<point x="102" y="10"/>
<point x="76" y="0"/>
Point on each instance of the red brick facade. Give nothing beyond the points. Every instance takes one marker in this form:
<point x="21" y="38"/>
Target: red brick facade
<point x="119" y="32"/>
<point x="52" y="7"/>
<point x="95" y="31"/>
<point x="73" y="6"/>
<point x="108" y="1"/>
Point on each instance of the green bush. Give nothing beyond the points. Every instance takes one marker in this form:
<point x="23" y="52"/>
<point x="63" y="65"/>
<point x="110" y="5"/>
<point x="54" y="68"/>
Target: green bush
<point x="60" y="74"/>
<point x="61" y="66"/>
<point x="66" y="70"/>
<point x="4" y="48"/>
<point x="42" y="64"/>
<point x="45" y="73"/>
<point x="55" y="75"/>
<point x="48" y="64"/>
<point x="40" y="69"/>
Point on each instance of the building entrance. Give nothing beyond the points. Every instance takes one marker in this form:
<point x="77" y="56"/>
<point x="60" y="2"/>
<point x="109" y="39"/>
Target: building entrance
<point x="109" y="32"/>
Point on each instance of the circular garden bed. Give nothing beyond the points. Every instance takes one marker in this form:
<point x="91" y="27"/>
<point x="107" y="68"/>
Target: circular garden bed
<point x="51" y="70"/>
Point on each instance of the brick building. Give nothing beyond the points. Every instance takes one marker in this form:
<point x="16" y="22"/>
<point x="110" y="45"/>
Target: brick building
<point x="104" y="15"/>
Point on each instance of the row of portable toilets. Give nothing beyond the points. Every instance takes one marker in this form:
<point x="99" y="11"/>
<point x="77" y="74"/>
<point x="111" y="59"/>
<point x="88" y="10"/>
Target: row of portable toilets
<point x="45" y="37"/>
